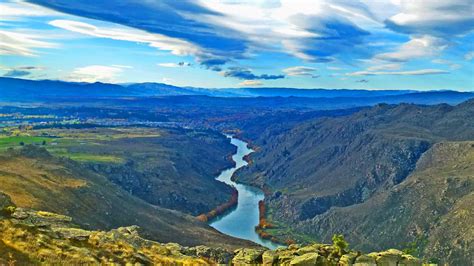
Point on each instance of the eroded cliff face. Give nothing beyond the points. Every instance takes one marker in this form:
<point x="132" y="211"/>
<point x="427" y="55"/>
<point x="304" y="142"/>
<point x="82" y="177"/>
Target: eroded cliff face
<point x="176" y="170"/>
<point x="38" y="237"/>
<point x="362" y="175"/>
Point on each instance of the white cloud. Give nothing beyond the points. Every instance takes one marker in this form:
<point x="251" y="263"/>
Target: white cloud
<point x="291" y="26"/>
<point x="432" y="26"/>
<point x="434" y="17"/>
<point x="417" y="47"/>
<point x="399" y="73"/>
<point x="168" y="65"/>
<point x="451" y="64"/>
<point x="294" y="25"/>
<point x="334" y="68"/>
<point x="469" y="56"/>
<point x="122" y="33"/>
<point x="167" y="80"/>
<point x="122" y="66"/>
<point x="95" y="73"/>
<point x="393" y="66"/>
<point x="250" y="83"/>
<point x="17" y="10"/>
<point x="300" y="71"/>
<point x="179" y="64"/>
<point x="305" y="29"/>
<point x="176" y="46"/>
<point x="14" y="43"/>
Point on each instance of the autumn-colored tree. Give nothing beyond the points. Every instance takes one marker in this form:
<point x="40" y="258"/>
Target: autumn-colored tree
<point x="202" y="218"/>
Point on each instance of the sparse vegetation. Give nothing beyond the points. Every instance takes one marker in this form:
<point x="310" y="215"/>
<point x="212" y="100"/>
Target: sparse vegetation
<point x="49" y="238"/>
<point x="340" y="244"/>
<point x="368" y="175"/>
<point x="8" y="211"/>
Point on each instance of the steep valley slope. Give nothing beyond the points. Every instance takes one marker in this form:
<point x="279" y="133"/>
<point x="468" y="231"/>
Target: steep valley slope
<point x="175" y="170"/>
<point x="391" y="175"/>
<point x="32" y="178"/>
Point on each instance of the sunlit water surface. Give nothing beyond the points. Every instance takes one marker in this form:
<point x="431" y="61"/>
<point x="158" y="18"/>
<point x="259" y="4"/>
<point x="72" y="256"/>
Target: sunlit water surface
<point x="241" y="221"/>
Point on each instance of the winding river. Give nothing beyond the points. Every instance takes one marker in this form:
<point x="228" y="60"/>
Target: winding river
<point x="241" y="221"/>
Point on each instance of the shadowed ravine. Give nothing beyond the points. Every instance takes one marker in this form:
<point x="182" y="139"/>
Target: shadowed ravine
<point x="241" y="221"/>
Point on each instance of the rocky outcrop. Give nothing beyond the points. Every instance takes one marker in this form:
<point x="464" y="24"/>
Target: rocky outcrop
<point x="321" y="255"/>
<point x="50" y="238"/>
<point x="38" y="237"/>
<point x="5" y="201"/>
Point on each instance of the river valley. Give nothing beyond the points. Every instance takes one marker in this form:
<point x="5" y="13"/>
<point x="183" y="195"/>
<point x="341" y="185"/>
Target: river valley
<point x="241" y="221"/>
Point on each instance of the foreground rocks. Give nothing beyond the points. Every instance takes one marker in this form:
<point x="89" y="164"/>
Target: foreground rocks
<point x="36" y="237"/>
<point x="321" y="255"/>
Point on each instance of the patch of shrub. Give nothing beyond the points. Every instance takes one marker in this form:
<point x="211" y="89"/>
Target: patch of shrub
<point x="340" y="244"/>
<point x="8" y="211"/>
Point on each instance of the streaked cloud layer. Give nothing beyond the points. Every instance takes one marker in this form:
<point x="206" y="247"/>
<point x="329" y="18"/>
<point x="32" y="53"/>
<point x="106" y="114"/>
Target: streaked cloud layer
<point x="215" y="43"/>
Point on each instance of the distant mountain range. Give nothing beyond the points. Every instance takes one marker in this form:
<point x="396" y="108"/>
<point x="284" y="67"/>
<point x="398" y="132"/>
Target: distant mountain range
<point x="151" y="95"/>
<point x="154" y="89"/>
<point x="17" y="89"/>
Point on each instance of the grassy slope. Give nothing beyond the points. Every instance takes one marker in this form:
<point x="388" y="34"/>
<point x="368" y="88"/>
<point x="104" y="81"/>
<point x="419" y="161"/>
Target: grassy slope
<point x="32" y="178"/>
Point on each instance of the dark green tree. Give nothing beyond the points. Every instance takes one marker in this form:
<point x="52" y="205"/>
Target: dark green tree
<point x="340" y="244"/>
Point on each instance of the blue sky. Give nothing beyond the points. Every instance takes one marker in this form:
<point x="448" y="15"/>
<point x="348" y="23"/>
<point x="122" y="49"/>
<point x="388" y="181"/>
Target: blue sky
<point x="371" y="44"/>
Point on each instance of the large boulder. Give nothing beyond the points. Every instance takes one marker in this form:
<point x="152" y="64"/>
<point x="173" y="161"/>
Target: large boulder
<point x="33" y="218"/>
<point x="174" y="248"/>
<point x="5" y="201"/>
<point x="246" y="256"/>
<point x="309" y="248"/>
<point x="408" y="260"/>
<point x="348" y="259"/>
<point x="389" y="257"/>
<point x="285" y="256"/>
<point x="73" y="233"/>
<point x="217" y="255"/>
<point x="269" y="257"/>
<point x="365" y="260"/>
<point x="309" y="259"/>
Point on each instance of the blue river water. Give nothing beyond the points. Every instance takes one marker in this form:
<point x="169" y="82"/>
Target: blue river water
<point x="241" y="221"/>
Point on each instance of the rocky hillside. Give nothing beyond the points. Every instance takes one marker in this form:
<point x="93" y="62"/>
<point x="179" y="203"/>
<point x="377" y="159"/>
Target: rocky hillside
<point x="175" y="170"/>
<point x="430" y="212"/>
<point x="354" y="175"/>
<point x="32" y="178"/>
<point x="38" y="237"/>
